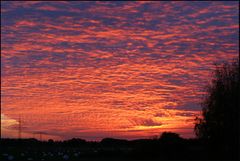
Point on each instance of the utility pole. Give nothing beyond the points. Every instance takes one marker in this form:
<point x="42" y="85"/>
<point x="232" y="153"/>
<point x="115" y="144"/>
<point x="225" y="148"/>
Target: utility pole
<point x="40" y="134"/>
<point x="19" y="127"/>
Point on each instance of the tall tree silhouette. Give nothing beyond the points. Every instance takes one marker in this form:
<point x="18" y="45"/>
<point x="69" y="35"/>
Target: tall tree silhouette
<point x="220" y="114"/>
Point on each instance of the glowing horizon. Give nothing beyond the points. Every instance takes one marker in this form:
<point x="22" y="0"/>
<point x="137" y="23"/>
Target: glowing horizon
<point x="110" y="69"/>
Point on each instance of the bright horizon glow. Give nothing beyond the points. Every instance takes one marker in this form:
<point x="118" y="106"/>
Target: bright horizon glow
<point x="126" y="70"/>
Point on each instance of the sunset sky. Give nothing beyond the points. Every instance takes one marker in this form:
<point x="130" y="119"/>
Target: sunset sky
<point x="110" y="69"/>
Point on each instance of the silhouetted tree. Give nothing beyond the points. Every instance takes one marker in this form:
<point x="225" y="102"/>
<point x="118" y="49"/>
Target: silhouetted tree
<point x="220" y="114"/>
<point x="113" y="142"/>
<point x="75" y="142"/>
<point x="172" y="145"/>
<point x="169" y="136"/>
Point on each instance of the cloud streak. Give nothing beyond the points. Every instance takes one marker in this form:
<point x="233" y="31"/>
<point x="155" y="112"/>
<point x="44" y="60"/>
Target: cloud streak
<point x="93" y="68"/>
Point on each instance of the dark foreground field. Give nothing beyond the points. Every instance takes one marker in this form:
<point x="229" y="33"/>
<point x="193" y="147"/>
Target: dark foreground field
<point x="112" y="149"/>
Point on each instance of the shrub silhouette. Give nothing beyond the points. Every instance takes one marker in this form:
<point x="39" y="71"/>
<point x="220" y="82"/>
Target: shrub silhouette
<point x="170" y="136"/>
<point x="74" y="142"/>
<point x="220" y="114"/>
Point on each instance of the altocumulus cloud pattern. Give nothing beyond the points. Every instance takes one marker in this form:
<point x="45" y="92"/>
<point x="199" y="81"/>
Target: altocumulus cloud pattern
<point x="120" y="69"/>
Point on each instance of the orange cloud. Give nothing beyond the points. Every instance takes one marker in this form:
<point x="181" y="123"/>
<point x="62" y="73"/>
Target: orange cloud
<point x="99" y="69"/>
